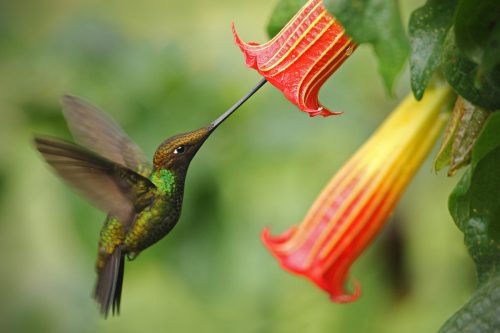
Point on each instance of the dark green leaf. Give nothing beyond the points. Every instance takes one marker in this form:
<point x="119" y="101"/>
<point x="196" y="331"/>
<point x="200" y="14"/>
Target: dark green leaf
<point x="491" y="55"/>
<point x="282" y="13"/>
<point x="480" y="314"/>
<point x="481" y="89"/>
<point x="475" y="207"/>
<point x="475" y="202"/>
<point x="475" y="22"/>
<point x="377" y="22"/>
<point x="428" y="27"/>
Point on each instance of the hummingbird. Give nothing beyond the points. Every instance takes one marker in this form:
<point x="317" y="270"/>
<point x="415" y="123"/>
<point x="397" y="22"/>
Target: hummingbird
<point x="142" y="200"/>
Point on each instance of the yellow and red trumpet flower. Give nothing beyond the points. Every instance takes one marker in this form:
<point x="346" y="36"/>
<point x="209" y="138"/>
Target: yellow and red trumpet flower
<point x="354" y="206"/>
<point x="302" y="56"/>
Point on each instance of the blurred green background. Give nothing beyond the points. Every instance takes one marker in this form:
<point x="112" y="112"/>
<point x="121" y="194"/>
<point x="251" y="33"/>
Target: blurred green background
<point x="163" y="67"/>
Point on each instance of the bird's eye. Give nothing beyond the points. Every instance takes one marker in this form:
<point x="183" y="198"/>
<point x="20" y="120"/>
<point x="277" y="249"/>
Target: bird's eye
<point x="179" y="150"/>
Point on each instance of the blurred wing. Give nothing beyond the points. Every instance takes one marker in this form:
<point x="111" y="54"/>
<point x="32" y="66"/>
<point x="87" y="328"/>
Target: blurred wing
<point x="115" y="189"/>
<point x="95" y="130"/>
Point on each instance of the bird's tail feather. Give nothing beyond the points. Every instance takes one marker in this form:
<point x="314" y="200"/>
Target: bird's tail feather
<point x="109" y="284"/>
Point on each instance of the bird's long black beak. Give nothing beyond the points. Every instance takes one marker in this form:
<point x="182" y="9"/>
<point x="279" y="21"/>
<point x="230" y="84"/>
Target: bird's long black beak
<point x="229" y="112"/>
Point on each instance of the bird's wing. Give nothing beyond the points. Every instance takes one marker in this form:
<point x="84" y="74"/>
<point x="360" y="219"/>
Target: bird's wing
<point x="115" y="189"/>
<point x="95" y="130"/>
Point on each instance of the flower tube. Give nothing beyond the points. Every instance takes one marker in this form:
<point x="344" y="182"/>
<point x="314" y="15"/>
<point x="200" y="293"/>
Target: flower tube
<point x="353" y="207"/>
<point x="302" y="56"/>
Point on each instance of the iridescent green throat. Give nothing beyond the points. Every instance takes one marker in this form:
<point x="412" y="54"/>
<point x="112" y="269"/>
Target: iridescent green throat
<point x="164" y="180"/>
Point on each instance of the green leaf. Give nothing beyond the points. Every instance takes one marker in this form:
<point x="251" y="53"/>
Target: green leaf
<point x="428" y="27"/>
<point x="282" y="13"/>
<point x="477" y="36"/>
<point x="466" y="78"/>
<point x="491" y="55"/>
<point x="376" y="22"/>
<point x="480" y="314"/>
<point x="475" y="207"/>
<point x="476" y="24"/>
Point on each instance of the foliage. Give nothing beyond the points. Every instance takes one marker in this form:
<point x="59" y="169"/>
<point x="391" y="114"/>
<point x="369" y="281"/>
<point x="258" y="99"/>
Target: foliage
<point x="475" y="207"/>
<point x="462" y="38"/>
<point x="467" y="78"/>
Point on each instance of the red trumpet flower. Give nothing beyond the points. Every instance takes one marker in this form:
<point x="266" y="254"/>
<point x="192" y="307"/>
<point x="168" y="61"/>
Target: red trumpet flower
<point x="357" y="202"/>
<point x="302" y="56"/>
